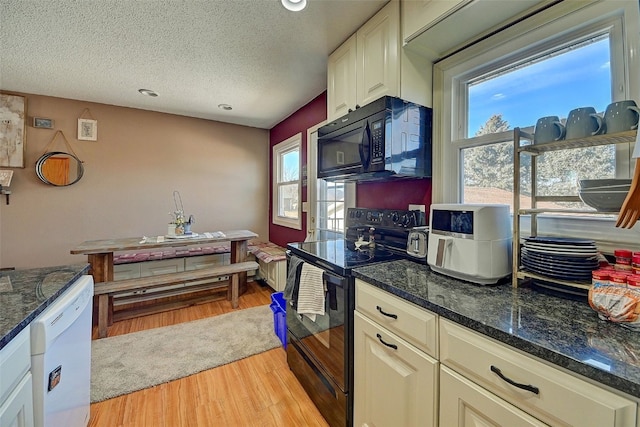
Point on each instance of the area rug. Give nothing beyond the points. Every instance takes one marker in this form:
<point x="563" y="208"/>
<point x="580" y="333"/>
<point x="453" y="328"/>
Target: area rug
<point x="139" y="360"/>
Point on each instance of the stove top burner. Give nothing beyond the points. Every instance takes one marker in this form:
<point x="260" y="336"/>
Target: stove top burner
<point x="388" y="228"/>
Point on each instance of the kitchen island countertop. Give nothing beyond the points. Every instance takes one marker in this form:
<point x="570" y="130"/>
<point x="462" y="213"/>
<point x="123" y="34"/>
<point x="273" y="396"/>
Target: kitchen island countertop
<point x="26" y="293"/>
<point x="561" y="331"/>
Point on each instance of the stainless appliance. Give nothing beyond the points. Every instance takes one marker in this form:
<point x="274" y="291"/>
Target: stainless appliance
<point x="471" y="242"/>
<point x="320" y="352"/>
<point x="388" y="138"/>
<point x="417" y="243"/>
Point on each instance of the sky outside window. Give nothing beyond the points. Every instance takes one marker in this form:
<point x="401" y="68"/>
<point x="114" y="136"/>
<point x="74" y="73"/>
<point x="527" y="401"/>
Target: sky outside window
<point x="552" y="87"/>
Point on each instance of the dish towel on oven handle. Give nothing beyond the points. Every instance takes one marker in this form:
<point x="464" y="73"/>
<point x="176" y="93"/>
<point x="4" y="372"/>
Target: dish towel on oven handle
<point x="311" y="291"/>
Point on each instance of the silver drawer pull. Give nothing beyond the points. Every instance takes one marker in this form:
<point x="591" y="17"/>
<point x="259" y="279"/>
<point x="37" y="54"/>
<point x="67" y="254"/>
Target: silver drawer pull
<point x="393" y="346"/>
<point x="527" y="387"/>
<point x="393" y="316"/>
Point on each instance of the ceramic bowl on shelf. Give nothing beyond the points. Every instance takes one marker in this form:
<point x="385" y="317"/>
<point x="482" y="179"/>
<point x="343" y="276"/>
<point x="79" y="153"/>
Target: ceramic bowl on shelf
<point x="607" y="183"/>
<point x="604" y="200"/>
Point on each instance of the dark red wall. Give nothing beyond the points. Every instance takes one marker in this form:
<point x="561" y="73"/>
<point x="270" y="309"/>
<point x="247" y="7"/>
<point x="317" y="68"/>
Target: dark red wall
<point x="394" y="194"/>
<point x="308" y="116"/>
<point x="382" y="195"/>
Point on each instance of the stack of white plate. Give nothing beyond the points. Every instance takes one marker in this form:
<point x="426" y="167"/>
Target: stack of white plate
<point x="560" y="258"/>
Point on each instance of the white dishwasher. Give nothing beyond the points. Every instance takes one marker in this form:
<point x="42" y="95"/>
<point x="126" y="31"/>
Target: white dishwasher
<point x="61" y="358"/>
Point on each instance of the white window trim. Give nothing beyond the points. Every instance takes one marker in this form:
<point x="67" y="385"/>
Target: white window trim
<point x="287" y="145"/>
<point x="549" y="23"/>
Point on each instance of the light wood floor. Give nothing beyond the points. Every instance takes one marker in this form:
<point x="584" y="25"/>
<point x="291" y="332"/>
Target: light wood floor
<point x="256" y="391"/>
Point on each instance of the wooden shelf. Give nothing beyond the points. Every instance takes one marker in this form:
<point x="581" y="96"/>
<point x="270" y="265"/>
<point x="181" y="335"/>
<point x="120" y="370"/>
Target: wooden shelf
<point x="592" y="141"/>
<point x="567" y="211"/>
<point x="520" y="274"/>
<point x="533" y="150"/>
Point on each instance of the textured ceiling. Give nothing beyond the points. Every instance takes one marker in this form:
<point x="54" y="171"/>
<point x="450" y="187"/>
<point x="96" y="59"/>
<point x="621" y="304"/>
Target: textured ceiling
<point x="252" y="54"/>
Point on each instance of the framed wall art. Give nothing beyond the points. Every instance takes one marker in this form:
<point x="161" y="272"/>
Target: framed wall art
<point x="12" y="130"/>
<point x="87" y="130"/>
<point x="41" y="122"/>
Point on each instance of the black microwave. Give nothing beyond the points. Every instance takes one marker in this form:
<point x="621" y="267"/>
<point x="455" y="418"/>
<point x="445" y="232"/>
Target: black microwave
<point x="388" y="138"/>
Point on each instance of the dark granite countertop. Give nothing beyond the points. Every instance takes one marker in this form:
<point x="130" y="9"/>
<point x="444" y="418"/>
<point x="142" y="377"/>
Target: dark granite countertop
<point x="562" y="331"/>
<point x="26" y="293"/>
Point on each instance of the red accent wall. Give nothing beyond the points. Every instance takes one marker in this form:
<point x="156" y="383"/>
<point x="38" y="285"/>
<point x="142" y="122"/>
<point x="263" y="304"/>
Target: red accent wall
<point x="382" y="195"/>
<point x="308" y="116"/>
<point x="394" y="194"/>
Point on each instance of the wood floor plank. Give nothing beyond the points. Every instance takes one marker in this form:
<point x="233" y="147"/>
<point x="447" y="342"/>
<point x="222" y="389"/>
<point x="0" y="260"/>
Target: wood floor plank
<point x="257" y="391"/>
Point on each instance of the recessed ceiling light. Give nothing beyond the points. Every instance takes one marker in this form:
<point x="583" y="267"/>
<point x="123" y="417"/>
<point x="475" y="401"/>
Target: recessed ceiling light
<point x="225" y="107"/>
<point x="294" y="5"/>
<point x="147" y="92"/>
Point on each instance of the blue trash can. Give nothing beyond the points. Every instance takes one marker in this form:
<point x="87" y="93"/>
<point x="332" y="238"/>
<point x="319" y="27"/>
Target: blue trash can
<point x="279" y="308"/>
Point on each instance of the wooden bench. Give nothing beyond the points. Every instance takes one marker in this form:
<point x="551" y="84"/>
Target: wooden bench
<point x="106" y="290"/>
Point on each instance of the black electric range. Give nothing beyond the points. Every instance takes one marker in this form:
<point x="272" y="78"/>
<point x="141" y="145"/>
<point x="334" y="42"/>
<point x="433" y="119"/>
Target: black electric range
<point x="320" y="351"/>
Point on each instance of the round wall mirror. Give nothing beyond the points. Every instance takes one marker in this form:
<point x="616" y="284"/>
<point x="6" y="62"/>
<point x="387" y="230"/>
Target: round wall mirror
<point x="59" y="168"/>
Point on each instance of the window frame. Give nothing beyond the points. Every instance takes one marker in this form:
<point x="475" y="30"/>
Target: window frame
<point x="542" y="32"/>
<point x="313" y="232"/>
<point x="278" y="151"/>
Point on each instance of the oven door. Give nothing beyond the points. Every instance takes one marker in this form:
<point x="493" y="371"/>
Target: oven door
<point x="325" y="340"/>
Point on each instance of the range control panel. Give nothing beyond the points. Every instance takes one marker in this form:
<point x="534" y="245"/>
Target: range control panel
<point x="385" y="218"/>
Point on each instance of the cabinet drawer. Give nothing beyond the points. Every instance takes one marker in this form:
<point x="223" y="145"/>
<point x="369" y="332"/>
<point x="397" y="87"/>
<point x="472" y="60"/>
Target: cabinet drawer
<point x="15" y="361"/>
<point x="562" y="399"/>
<point x="416" y="325"/>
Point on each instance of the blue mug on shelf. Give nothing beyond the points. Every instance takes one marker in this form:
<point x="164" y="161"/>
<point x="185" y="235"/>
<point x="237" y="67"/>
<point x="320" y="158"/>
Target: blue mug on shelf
<point x="583" y="122"/>
<point x="548" y="129"/>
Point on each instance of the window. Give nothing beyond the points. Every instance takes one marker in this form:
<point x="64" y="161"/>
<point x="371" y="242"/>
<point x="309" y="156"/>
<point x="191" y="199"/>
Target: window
<point x="286" y="183"/>
<point x="328" y="201"/>
<point x="568" y="56"/>
<point x="552" y="84"/>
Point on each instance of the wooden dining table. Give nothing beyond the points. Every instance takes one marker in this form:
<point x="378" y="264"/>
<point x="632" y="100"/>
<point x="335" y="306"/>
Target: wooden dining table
<point x="100" y="252"/>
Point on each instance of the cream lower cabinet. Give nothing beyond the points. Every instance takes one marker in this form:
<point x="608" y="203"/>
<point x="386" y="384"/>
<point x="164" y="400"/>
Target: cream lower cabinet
<point x="274" y="273"/>
<point x="395" y="383"/>
<point x="494" y="374"/>
<point x="395" y="379"/>
<point x="16" y="389"/>
<point x="464" y="403"/>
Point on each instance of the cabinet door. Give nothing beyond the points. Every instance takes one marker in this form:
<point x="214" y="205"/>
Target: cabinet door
<point x="465" y="404"/>
<point x="341" y="80"/>
<point x="17" y="410"/>
<point x="392" y="386"/>
<point x="378" y="65"/>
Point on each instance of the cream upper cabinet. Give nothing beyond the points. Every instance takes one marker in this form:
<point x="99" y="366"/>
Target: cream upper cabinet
<point x="341" y="84"/>
<point x="418" y="15"/>
<point x="378" y="64"/>
<point x="371" y="64"/>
